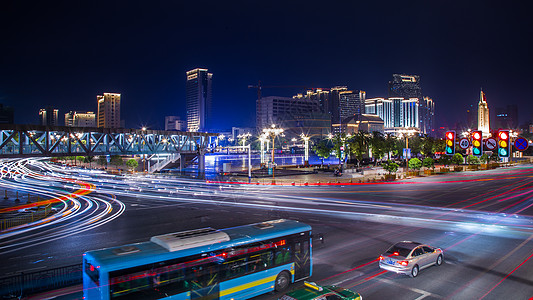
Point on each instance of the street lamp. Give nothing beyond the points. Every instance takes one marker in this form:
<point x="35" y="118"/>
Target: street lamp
<point x="263" y="138"/>
<point x="243" y="136"/>
<point x="273" y="132"/>
<point x="306" y="149"/>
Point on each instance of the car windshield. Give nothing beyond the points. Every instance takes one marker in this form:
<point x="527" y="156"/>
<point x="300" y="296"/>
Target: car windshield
<point x="398" y="251"/>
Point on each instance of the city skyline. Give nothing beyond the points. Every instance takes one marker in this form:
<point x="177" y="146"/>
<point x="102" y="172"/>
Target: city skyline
<point x="47" y="62"/>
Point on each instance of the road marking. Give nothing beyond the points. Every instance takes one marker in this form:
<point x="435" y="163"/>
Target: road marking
<point x="423" y="293"/>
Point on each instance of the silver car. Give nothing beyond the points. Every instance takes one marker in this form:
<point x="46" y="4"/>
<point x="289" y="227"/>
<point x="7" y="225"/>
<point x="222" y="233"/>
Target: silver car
<point x="410" y="257"/>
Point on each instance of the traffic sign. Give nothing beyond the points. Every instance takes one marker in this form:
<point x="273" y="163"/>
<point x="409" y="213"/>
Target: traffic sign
<point x="521" y="144"/>
<point x="490" y="143"/>
<point x="464" y="143"/>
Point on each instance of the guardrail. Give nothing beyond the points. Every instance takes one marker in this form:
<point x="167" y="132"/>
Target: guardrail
<point x="22" y="285"/>
<point x="28" y="217"/>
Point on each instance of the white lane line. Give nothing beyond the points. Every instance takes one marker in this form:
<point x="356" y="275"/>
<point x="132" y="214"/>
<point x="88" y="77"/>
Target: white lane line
<point x="423" y="294"/>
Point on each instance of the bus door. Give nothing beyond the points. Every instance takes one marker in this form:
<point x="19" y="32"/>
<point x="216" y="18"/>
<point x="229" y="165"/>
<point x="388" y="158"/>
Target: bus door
<point x="204" y="282"/>
<point x="302" y="258"/>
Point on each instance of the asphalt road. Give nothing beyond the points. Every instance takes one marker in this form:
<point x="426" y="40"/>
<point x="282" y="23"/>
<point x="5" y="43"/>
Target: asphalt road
<point x="482" y="220"/>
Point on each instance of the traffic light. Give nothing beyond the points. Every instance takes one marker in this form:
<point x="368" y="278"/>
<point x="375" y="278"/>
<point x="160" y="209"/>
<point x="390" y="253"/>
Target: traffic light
<point x="503" y="143"/>
<point x="477" y="143"/>
<point x="450" y="143"/>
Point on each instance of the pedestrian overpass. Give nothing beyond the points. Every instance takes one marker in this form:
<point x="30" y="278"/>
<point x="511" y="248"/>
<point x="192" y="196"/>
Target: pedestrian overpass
<point x="20" y="141"/>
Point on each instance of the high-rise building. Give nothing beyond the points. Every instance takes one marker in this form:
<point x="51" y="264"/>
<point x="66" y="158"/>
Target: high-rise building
<point x="175" y="123"/>
<point x="295" y="115"/>
<point x="109" y="111"/>
<point x="483" y="123"/>
<point x="344" y="103"/>
<point x="398" y="113"/>
<point x="408" y="87"/>
<point x="405" y="86"/>
<point x="48" y="116"/>
<point x="80" y="119"/>
<point x="199" y="99"/>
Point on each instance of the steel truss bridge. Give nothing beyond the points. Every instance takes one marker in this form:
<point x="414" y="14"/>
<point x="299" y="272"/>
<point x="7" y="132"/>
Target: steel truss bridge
<point x="17" y="141"/>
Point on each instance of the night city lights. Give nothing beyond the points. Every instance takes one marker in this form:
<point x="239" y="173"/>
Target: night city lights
<point x="266" y="150"/>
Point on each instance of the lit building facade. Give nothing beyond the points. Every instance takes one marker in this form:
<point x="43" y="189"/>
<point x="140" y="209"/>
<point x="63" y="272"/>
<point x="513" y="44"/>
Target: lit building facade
<point x="483" y="123"/>
<point x="48" y="116"/>
<point x="409" y="87"/>
<point x="362" y="122"/>
<point x="80" y="119"/>
<point x="199" y="99"/>
<point x="399" y="114"/>
<point x="295" y="115"/>
<point x="109" y="110"/>
<point x="175" y="123"/>
<point x="344" y="103"/>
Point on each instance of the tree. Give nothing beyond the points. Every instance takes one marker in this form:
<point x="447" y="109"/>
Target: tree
<point x="322" y="150"/>
<point x="415" y="164"/>
<point x="102" y="160"/>
<point x="116" y="160"/>
<point x="391" y="167"/>
<point x="81" y="159"/>
<point x="389" y="144"/>
<point x="359" y="145"/>
<point x="484" y="158"/>
<point x="89" y="159"/>
<point x="377" y="144"/>
<point x="428" y="145"/>
<point x="132" y="164"/>
<point x="473" y="160"/>
<point x="457" y="159"/>
<point x="429" y="163"/>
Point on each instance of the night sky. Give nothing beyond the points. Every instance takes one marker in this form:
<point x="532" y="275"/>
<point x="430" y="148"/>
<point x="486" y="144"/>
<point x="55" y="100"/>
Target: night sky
<point x="63" y="54"/>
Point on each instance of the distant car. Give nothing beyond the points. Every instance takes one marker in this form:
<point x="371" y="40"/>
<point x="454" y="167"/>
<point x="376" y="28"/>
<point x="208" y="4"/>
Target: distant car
<point x="313" y="291"/>
<point x="410" y="257"/>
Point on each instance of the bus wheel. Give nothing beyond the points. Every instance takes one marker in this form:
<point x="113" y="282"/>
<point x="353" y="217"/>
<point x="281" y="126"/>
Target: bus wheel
<point x="282" y="281"/>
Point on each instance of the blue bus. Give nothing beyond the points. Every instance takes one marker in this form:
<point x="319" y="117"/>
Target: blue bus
<point x="233" y="263"/>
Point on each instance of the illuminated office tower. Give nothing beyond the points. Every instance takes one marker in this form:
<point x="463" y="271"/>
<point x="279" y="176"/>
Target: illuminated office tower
<point x="80" y="119"/>
<point x="109" y="110"/>
<point x="48" y="116"/>
<point x="199" y="99"/>
<point x="483" y="116"/>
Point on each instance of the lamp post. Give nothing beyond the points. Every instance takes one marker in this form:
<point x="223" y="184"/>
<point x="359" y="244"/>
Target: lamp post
<point x="144" y="155"/>
<point x="273" y="132"/>
<point x="306" y="149"/>
<point x="243" y="136"/>
<point x="263" y="138"/>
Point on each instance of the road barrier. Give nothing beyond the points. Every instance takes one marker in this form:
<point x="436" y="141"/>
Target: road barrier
<point x="27" y="217"/>
<point x="23" y="285"/>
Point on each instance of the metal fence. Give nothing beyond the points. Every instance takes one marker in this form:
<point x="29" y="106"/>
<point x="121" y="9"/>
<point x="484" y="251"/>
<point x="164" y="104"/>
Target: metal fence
<point x="37" y="282"/>
<point x="26" y="218"/>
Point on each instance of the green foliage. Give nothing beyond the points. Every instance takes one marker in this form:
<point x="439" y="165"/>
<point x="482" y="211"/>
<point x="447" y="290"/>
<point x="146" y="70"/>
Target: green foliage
<point x="484" y="158"/>
<point x="444" y="160"/>
<point x="473" y="160"/>
<point x="322" y="149"/>
<point x="80" y="158"/>
<point x="132" y="164"/>
<point x="377" y="144"/>
<point x="428" y="162"/>
<point x="88" y="159"/>
<point x="428" y="146"/>
<point x="415" y="164"/>
<point x="391" y="167"/>
<point x="457" y="159"/>
<point x="102" y="160"/>
<point x="358" y="144"/>
<point x="116" y="160"/>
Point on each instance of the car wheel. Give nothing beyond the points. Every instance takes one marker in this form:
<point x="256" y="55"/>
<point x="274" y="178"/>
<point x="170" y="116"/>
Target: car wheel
<point x="439" y="260"/>
<point x="282" y="282"/>
<point x="414" y="271"/>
